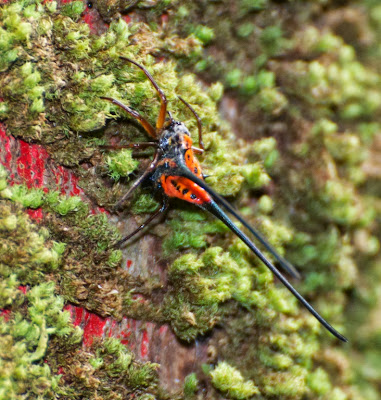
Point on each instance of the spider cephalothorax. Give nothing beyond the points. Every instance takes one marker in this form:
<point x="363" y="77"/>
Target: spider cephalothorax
<point x="175" y="137"/>
<point x="176" y="172"/>
<point x="176" y="153"/>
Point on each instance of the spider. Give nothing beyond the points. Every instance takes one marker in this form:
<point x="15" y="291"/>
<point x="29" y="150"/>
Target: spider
<point x="176" y="172"/>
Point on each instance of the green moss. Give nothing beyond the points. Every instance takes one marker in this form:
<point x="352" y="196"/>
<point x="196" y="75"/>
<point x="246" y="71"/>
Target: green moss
<point x="30" y="198"/>
<point x="233" y="77"/>
<point x="247" y="6"/>
<point x="229" y="380"/>
<point x="271" y="39"/>
<point x="63" y="205"/>
<point x="246" y="29"/>
<point x="255" y="175"/>
<point x="345" y="83"/>
<point x="26" y="257"/>
<point x="291" y="384"/>
<point x="121" y="363"/>
<point x="338" y="394"/>
<point x="265" y="204"/>
<point x="36" y="320"/>
<point x="319" y="382"/>
<point x="316" y="188"/>
<point x="345" y="148"/>
<point x="338" y="201"/>
<point x="201" y="285"/>
<point x="190" y="230"/>
<point x="145" y="203"/>
<point x="204" y="33"/>
<point x="190" y="385"/>
<point x="121" y="164"/>
<point x="275" y="360"/>
<point x="272" y="101"/>
<point x="73" y="10"/>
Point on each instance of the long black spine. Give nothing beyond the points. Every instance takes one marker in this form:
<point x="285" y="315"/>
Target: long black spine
<point x="213" y="208"/>
<point x="288" y="267"/>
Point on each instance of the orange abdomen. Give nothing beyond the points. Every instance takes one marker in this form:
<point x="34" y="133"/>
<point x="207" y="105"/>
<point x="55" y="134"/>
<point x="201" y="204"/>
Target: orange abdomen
<point x="185" y="189"/>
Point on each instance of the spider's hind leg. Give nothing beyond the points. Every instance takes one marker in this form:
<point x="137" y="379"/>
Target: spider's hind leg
<point x="145" y="223"/>
<point x="148" y="171"/>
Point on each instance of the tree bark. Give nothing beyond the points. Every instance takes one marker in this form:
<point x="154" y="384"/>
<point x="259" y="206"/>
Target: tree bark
<point x="302" y="95"/>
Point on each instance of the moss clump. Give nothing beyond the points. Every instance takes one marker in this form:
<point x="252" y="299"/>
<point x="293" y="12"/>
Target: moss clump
<point x="319" y="382"/>
<point x="63" y="205"/>
<point x="33" y="325"/>
<point x="189" y="231"/>
<point x="145" y="203"/>
<point x="34" y="259"/>
<point x="199" y="286"/>
<point x="30" y="320"/>
<point x="190" y="385"/>
<point x="28" y="198"/>
<point x="111" y="359"/>
<point x="204" y="33"/>
<point x="287" y="384"/>
<point x="107" y="369"/>
<point x="25" y="336"/>
<point x="73" y="10"/>
<point x="229" y="380"/>
<point x="121" y="164"/>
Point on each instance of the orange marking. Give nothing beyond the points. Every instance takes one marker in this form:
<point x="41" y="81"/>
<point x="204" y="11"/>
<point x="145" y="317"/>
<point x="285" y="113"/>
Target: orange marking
<point x="185" y="189"/>
<point x="192" y="163"/>
<point x="187" y="139"/>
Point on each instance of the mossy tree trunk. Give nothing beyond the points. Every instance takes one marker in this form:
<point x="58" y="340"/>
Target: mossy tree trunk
<point x="184" y="310"/>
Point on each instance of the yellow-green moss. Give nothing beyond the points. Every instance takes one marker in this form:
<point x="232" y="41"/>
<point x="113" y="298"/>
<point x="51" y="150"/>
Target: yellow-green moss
<point x="190" y="385"/>
<point x="36" y="326"/>
<point x="229" y="380"/>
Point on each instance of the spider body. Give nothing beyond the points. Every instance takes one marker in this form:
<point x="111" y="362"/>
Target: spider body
<point x="175" y="146"/>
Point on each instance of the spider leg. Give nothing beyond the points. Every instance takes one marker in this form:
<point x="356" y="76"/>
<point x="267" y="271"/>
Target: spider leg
<point x="163" y="100"/>
<point x="200" y="142"/>
<point x="150" y="168"/>
<point x="146" y="125"/>
<point x="146" y="222"/>
<point x="197" y="150"/>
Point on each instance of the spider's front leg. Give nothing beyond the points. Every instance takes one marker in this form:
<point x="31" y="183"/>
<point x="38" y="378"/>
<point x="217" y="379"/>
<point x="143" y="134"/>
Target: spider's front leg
<point x="163" y="100"/>
<point x="146" y="125"/>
